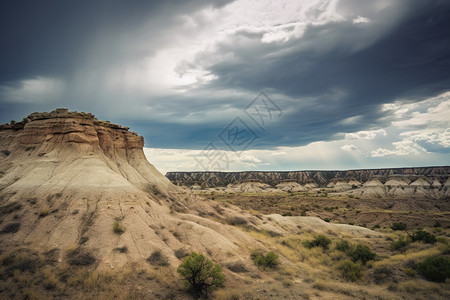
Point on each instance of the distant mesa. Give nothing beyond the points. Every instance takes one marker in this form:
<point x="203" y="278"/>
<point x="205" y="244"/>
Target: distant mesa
<point x="425" y="182"/>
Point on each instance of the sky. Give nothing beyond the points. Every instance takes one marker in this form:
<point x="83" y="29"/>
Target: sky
<point x="241" y="85"/>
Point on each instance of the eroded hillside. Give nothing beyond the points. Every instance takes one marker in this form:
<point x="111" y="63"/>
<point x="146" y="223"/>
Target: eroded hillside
<point x="84" y="214"/>
<point x="426" y="182"/>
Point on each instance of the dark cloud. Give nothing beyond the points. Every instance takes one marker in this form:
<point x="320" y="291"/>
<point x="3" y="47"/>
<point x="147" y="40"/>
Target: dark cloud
<point x="51" y="37"/>
<point x="344" y="70"/>
<point x="332" y="79"/>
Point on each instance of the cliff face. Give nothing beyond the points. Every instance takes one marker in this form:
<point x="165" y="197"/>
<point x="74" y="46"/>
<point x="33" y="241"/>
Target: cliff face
<point x="60" y="137"/>
<point x="66" y="177"/>
<point x="320" y="178"/>
<point x="70" y="131"/>
<point x="408" y="182"/>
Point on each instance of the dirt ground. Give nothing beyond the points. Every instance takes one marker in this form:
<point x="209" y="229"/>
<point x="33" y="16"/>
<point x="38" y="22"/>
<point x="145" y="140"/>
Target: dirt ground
<point x="345" y="210"/>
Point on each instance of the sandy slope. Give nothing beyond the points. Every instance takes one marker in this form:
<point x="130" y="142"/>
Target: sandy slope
<point x="65" y="178"/>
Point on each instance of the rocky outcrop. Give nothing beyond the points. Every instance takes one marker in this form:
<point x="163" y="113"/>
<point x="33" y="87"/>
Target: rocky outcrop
<point x="321" y="178"/>
<point x="66" y="178"/>
<point x="415" y="182"/>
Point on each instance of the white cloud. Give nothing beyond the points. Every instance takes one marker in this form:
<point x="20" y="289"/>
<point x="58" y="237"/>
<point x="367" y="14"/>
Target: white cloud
<point x="430" y="112"/>
<point x="365" y="134"/>
<point x="360" y="19"/>
<point x="405" y="147"/>
<point x="349" y="147"/>
<point x="439" y="136"/>
<point x="417" y="123"/>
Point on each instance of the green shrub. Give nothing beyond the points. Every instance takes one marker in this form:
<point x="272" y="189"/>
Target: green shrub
<point x="361" y="253"/>
<point x="400" y="244"/>
<point x="268" y="260"/>
<point x="425" y="237"/>
<point x="200" y="274"/>
<point x="435" y="268"/>
<point x="318" y="241"/>
<point x="118" y="228"/>
<point x="398" y="226"/>
<point x="343" y="246"/>
<point x="350" y="271"/>
<point x="437" y="224"/>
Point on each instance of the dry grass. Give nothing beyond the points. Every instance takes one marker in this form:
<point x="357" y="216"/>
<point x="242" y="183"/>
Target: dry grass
<point x="407" y="256"/>
<point x="227" y="294"/>
<point x="50" y="281"/>
<point x="420" y="286"/>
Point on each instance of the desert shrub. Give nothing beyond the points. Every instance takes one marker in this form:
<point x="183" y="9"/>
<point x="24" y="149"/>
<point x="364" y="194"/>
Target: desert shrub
<point x="10" y="228"/>
<point x="442" y="240"/>
<point x="398" y="226"/>
<point x="237" y="221"/>
<point x="381" y="275"/>
<point x="410" y="272"/>
<point x="376" y="226"/>
<point x="118" y="228"/>
<point x="273" y="233"/>
<point x="9" y="208"/>
<point x="19" y="261"/>
<point x="361" y="253"/>
<point x="123" y="249"/>
<point x="400" y="244"/>
<point x="435" y="268"/>
<point x="181" y="253"/>
<point x="268" y="260"/>
<point x="237" y="267"/>
<point x="50" y="282"/>
<point x="350" y="271"/>
<point x="425" y="237"/>
<point x="6" y="152"/>
<point x="327" y="220"/>
<point x="80" y="257"/>
<point x="200" y="274"/>
<point x="343" y="246"/>
<point x="44" y="212"/>
<point x="158" y="259"/>
<point x="318" y="241"/>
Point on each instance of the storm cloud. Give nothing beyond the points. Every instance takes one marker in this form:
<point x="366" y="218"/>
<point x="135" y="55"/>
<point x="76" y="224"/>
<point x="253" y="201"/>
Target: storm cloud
<point x="179" y="72"/>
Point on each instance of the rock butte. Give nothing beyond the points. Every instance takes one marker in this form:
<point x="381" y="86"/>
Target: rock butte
<point x="66" y="177"/>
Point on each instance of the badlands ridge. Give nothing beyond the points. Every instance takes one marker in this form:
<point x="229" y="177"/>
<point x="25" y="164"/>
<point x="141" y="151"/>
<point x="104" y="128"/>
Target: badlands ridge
<point x="66" y="177"/>
<point x="420" y="183"/>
